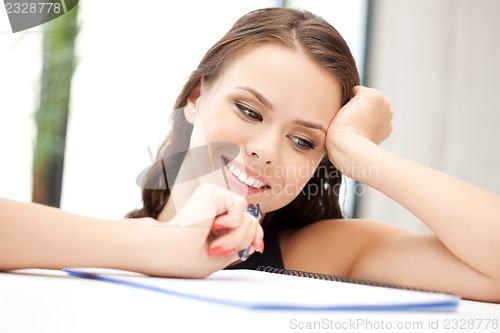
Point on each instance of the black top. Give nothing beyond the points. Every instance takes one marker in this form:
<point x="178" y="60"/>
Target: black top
<point x="270" y="257"/>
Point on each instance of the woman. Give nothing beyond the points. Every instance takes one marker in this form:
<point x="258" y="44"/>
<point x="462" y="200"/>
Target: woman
<point x="278" y="85"/>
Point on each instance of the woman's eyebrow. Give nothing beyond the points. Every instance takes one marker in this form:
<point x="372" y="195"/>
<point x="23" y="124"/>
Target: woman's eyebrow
<point x="269" y="106"/>
<point x="309" y="124"/>
<point x="259" y="97"/>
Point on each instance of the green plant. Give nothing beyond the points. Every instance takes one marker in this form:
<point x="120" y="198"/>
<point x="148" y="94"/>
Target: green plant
<point x="52" y="115"/>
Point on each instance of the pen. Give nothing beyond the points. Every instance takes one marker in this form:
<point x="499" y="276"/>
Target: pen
<point x="256" y="212"/>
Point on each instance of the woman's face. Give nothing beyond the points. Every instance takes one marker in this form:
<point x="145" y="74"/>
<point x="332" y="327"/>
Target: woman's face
<point x="275" y="104"/>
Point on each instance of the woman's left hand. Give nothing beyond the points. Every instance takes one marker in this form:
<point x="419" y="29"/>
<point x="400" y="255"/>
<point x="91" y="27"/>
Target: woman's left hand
<point x="367" y="116"/>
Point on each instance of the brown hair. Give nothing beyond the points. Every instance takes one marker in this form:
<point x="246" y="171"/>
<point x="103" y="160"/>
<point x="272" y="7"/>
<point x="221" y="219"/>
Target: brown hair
<point x="293" y="29"/>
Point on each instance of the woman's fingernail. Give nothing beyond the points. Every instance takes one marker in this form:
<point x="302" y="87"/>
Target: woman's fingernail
<point x="217" y="227"/>
<point x="215" y="251"/>
<point x="226" y="252"/>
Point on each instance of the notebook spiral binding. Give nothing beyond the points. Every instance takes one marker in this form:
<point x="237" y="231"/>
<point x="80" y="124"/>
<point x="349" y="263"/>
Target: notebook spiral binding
<point x="270" y="269"/>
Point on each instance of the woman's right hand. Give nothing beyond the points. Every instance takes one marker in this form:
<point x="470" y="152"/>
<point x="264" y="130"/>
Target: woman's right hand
<point x="208" y="232"/>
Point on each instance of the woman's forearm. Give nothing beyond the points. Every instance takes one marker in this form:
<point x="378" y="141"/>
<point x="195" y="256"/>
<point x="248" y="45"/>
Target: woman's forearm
<point x="464" y="217"/>
<point x="37" y="236"/>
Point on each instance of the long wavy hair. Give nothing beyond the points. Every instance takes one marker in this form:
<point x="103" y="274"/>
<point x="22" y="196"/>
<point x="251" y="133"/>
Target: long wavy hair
<point x="293" y="29"/>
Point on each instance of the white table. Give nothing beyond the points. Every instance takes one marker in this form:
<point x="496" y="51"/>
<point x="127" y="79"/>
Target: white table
<point x="52" y="301"/>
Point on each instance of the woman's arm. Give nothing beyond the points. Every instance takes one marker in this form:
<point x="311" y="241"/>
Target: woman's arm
<point x="465" y="218"/>
<point x="37" y="236"/>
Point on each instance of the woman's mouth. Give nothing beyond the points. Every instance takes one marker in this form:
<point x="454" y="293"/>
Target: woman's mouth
<point x="239" y="176"/>
<point x="244" y="178"/>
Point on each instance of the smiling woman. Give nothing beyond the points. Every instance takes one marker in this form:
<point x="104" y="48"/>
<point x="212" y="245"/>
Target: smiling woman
<point x="269" y="85"/>
<point x="282" y="86"/>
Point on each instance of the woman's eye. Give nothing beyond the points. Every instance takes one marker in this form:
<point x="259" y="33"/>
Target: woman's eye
<point x="248" y="112"/>
<point x="303" y="144"/>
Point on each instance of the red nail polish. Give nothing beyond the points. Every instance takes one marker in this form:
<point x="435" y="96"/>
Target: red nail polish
<point x="226" y="252"/>
<point x="215" y="251"/>
<point x="218" y="227"/>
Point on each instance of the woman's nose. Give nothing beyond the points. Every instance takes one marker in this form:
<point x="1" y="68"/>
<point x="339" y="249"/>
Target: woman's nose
<point x="264" y="148"/>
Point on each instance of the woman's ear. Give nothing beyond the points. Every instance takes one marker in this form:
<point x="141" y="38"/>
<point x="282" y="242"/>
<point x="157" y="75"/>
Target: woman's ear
<point x="192" y="99"/>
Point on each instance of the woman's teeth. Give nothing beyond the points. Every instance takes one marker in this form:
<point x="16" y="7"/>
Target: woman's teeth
<point x="244" y="178"/>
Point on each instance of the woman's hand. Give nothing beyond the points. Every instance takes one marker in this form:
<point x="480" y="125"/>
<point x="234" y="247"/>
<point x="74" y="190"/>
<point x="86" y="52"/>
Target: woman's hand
<point x="366" y="116"/>
<point x="209" y="231"/>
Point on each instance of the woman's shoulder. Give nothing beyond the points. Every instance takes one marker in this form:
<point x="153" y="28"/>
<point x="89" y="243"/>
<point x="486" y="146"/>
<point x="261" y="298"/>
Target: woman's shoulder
<point x="332" y="246"/>
<point x="341" y="228"/>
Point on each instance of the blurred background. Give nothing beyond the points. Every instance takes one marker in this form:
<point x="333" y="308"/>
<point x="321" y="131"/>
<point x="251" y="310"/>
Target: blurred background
<point x="436" y="60"/>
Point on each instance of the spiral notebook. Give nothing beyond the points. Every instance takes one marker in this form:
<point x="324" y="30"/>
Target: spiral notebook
<point x="272" y="289"/>
<point x="313" y="275"/>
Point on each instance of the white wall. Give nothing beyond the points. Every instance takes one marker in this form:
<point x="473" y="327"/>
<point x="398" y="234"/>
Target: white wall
<point x="20" y="66"/>
<point x="438" y="62"/>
